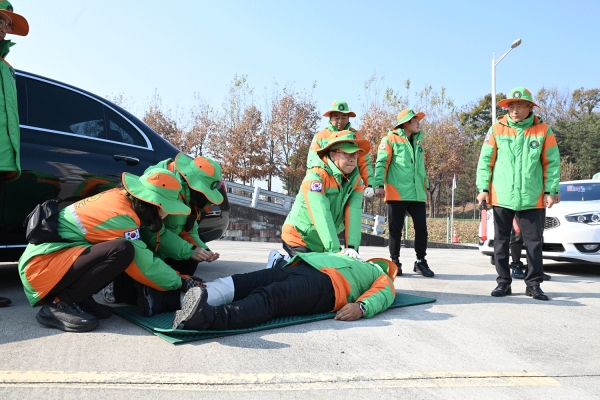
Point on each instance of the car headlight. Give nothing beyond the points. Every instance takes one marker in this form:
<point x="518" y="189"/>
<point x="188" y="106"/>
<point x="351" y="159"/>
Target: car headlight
<point x="590" y="218"/>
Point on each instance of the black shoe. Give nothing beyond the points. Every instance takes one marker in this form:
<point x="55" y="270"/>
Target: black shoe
<point x="67" y="317"/>
<point x="422" y="268"/>
<point x="536" y="292"/>
<point x="399" y="266"/>
<point x="4" y="301"/>
<point x="518" y="271"/>
<point x="547" y="277"/>
<point x="99" y="311"/>
<point x="502" y="290"/>
<point x="196" y="313"/>
<point x="146" y="304"/>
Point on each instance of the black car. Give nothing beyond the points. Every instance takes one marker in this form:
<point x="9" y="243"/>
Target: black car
<point x="75" y="144"/>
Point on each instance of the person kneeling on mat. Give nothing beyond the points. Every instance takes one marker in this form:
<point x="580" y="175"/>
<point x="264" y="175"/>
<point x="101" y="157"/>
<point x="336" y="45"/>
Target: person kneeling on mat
<point x="311" y="283"/>
<point x="100" y="239"/>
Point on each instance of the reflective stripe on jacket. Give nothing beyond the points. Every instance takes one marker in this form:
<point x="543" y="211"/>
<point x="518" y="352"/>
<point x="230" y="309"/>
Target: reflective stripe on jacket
<point x="353" y="280"/>
<point x="400" y="167"/>
<point x="518" y="163"/>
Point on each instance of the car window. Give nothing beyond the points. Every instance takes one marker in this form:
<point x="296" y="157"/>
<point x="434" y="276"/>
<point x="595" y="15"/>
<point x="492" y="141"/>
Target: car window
<point x="22" y="99"/>
<point x="59" y="109"/>
<point x="119" y="130"/>
<point x="580" y="191"/>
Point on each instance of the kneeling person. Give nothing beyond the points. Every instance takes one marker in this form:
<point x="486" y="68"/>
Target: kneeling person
<point x="311" y="283"/>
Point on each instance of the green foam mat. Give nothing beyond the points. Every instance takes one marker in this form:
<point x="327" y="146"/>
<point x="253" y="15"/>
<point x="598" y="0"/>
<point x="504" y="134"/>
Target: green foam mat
<point x="160" y="324"/>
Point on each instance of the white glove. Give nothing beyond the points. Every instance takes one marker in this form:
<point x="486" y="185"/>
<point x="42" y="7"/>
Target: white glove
<point x="368" y="192"/>
<point x="350" y="252"/>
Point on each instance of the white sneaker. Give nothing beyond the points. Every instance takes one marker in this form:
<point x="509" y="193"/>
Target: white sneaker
<point x="274" y="257"/>
<point x="109" y="293"/>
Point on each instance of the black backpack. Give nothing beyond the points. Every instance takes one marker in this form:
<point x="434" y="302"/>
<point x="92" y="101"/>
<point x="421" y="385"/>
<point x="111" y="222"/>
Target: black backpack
<point x="41" y="225"/>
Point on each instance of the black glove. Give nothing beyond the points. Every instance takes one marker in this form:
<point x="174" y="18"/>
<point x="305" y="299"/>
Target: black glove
<point x="188" y="283"/>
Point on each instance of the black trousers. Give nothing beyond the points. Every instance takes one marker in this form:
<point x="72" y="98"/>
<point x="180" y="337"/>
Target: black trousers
<point x="531" y="223"/>
<point x="396" y="212"/>
<point x="275" y="292"/>
<point x="92" y="270"/>
<point x="516" y="242"/>
<point x="125" y="291"/>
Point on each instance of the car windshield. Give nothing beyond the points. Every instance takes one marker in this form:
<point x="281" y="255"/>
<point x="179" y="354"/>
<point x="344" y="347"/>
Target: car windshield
<point x="579" y="191"/>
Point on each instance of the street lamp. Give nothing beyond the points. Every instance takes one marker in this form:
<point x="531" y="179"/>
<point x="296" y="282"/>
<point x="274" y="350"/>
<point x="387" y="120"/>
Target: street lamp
<point x="516" y="43"/>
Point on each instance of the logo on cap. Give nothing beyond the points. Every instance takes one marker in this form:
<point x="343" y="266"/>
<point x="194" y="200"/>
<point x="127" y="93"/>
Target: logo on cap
<point x="341" y="107"/>
<point x="517" y="95"/>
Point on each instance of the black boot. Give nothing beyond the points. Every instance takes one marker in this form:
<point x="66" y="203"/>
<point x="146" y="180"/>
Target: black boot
<point x="99" y="311"/>
<point x="398" y="265"/>
<point x="151" y="301"/>
<point x="502" y="290"/>
<point x="536" y="292"/>
<point x="196" y="313"/>
<point x="518" y="272"/>
<point x="422" y="268"/>
<point x="4" y="301"/>
<point x="66" y="316"/>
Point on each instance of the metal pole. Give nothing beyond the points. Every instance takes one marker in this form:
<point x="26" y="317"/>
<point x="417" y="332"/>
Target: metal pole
<point x="493" y="88"/>
<point x="452" y="211"/>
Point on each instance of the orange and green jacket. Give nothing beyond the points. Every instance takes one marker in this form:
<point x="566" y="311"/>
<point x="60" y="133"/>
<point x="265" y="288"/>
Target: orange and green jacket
<point x="353" y="280"/>
<point x="518" y="163"/>
<point x="10" y="135"/>
<point x="327" y="203"/>
<point x="401" y="167"/>
<point x="105" y="216"/>
<point x="321" y="140"/>
<point x="172" y="241"/>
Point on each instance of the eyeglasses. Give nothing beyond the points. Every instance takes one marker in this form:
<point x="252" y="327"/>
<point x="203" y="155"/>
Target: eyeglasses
<point x="5" y="25"/>
<point x="348" y="155"/>
<point x="518" y="106"/>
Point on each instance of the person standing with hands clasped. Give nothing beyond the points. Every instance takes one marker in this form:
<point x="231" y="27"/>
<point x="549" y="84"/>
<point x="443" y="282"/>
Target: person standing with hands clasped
<point x="400" y="166"/>
<point x="10" y="165"/>
<point x="518" y="174"/>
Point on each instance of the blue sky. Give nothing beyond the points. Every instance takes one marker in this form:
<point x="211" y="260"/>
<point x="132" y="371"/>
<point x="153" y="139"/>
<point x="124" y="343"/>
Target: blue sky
<point x="182" y="47"/>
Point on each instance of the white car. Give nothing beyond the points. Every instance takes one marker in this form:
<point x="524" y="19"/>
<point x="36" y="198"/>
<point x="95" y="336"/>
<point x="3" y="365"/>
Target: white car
<point x="572" y="227"/>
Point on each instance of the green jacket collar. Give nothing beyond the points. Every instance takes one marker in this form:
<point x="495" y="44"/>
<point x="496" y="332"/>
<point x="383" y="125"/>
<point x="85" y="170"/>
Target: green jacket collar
<point x="417" y="136"/>
<point x="332" y="127"/>
<point x="526" y="123"/>
<point x="5" y="46"/>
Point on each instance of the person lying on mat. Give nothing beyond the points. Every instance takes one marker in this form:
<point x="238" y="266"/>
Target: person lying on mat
<point x="101" y="239"/>
<point x="311" y="283"/>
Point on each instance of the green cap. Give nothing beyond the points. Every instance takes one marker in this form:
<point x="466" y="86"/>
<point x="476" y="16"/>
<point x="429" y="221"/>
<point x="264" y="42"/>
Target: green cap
<point x="518" y="93"/>
<point x="339" y="106"/>
<point x="345" y="138"/>
<point x="386" y="265"/>
<point x="407" y="115"/>
<point x="597" y="176"/>
<point x="347" y="147"/>
<point x="202" y="174"/>
<point x="157" y="186"/>
<point x="18" y="23"/>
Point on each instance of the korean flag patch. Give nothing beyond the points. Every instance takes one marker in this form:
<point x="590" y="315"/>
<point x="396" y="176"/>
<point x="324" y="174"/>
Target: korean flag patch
<point x="132" y="235"/>
<point x="382" y="146"/>
<point x="316" y="186"/>
<point x="487" y="138"/>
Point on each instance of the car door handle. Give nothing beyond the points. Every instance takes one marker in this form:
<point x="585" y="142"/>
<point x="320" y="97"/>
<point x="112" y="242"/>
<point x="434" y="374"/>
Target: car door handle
<point x="128" y="159"/>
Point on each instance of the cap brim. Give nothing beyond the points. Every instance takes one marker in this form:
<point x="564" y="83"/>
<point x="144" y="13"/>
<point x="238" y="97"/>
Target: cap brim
<point x="387" y="266"/>
<point x="134" y="187"/>
<point x="419" y="116"/>
<point x="504" y="102"/>
<point x="20" y="26"/>
<point x="364" y="145"/>
<point x="195" y="180"/>
<point x="351" y="114"/>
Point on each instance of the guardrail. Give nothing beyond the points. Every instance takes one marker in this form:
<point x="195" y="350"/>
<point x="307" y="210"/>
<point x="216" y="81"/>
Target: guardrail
<point x="279" y="203"/>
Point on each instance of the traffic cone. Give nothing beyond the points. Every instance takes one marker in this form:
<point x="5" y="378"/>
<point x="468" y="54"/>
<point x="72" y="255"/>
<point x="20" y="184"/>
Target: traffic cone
<point x="455" y="237"/>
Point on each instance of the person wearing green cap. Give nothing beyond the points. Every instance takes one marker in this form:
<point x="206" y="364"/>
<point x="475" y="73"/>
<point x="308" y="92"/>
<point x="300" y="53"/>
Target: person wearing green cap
<point x="10" y="142"/>
<point x="310" y="283"/>
<point x="518" y="174"/>
<point x="100" y="239"/>
<point x="329" y="201"/>
<point x="401" y="179"/>
<point x="178" y="242"/>
<point x="339" y="120"/>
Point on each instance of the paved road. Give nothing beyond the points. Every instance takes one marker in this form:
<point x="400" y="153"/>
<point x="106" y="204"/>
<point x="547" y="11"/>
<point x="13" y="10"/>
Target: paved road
<point x="467" y="345"/>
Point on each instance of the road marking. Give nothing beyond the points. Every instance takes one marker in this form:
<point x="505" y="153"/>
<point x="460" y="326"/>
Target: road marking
<point x="269" y="381"/>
